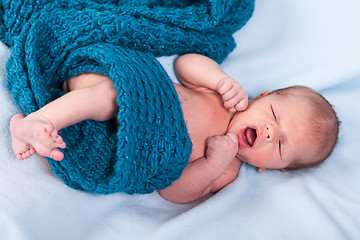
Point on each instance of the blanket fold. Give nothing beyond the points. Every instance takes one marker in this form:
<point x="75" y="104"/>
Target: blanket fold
<point x="54" y="40"/>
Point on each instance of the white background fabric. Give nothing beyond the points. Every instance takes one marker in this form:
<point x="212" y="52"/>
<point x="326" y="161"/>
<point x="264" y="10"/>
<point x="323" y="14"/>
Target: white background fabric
<point x="287" y="42"/>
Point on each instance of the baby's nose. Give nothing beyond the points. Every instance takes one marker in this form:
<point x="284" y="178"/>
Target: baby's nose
<point x="269" y="132"/>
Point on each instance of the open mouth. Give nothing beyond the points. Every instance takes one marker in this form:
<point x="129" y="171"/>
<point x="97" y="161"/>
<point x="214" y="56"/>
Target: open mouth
<point x="248" y="137"/>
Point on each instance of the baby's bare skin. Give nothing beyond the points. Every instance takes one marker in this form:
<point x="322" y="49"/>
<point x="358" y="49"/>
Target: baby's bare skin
<point x="209" y="99"/>
<point x="207" y="109"/>
<point x="268" y="135"/>
<point x="204" y="115"/>
<point x="33" y="134"/>
<point x="37" y="132"/>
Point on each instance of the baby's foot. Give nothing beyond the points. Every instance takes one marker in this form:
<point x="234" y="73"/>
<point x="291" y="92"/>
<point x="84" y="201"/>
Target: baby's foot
<point x="31" y="134"/>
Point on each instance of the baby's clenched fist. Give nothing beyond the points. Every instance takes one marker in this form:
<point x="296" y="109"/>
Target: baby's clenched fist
<point x="222" y="149"/>
<point x="234" y="96"/>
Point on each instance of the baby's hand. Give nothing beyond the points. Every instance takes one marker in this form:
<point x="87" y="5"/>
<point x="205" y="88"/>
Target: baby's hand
<point x="222" y="149"/>
<point x="233" y="95"/>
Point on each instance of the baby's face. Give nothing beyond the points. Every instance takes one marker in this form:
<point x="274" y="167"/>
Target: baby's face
<point x="273" y="132"/>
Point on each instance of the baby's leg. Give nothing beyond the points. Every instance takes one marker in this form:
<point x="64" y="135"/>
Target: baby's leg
<point x="84" y="80"/>
<point x="90" y="96"/>
<point x="94" y="98"/>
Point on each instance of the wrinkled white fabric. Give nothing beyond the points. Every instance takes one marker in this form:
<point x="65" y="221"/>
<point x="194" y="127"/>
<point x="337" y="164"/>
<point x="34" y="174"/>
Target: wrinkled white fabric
<point x="287" y="42"/>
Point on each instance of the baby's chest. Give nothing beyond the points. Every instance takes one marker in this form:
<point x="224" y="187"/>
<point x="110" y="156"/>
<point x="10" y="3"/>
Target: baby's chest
<point x="202" y="123"/>
<point x="204" y="116"/>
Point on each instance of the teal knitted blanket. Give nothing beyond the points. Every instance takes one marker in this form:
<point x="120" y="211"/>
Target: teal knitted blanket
<point x="52" y="40"/>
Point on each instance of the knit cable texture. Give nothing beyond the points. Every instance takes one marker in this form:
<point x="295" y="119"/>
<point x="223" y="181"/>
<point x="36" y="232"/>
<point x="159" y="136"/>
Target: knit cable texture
<point x="52" y="40"/>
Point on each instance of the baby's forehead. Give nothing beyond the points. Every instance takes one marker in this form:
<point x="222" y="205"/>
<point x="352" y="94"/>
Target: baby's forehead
<point x="289" y="101"/>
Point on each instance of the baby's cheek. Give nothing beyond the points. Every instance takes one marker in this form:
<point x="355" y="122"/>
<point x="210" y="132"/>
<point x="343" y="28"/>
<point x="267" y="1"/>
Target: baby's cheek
<point x="256" y="158"/>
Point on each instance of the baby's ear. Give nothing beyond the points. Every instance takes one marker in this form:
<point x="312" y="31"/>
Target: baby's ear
<point x="263" y="94"/>
<point x="267" y="92"/>
<point x="261" y="170"/>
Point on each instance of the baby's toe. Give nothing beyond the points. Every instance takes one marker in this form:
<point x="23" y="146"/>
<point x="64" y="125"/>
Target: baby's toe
<point x="57" y="155"/>
<point x="58" y="139"/>
<point x="19" y="156"/>
<point x="54" y="134"/>
<point x="59" y="142"/>
<point x="24" y="155"/>
<point x="61" y="145"/>
<point x="32" y="150"/>
<point x="28" y="153"/>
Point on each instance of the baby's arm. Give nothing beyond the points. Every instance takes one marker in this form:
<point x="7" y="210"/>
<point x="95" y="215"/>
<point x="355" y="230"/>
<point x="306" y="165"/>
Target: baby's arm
<point x="202" y="74"/>
<point x="207" y="174"/>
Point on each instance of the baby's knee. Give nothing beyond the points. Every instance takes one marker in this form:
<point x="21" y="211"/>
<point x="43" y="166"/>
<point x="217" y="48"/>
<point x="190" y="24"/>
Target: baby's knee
<point x="107" y="94"/>
<point x="84" y="80"/>
<point x="107" y="90"/>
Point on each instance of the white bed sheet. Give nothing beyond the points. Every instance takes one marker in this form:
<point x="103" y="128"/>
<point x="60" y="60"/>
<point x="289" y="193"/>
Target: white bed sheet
<point x="287" y="42"/>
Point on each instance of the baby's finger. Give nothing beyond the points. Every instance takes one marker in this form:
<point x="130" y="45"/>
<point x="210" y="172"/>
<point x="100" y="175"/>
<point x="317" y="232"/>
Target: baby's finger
<point x="232" y="109"/>
<point x="224" y="86"/>
<point x="232" y="137"/>
<point x="242" y="105"/>
<point x="232" y="92"/>
<point x="233" y="101"/>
